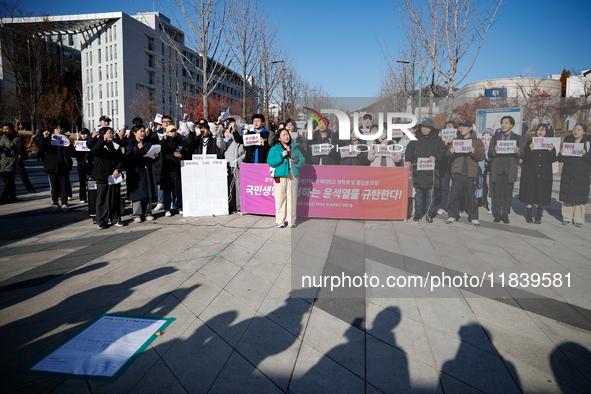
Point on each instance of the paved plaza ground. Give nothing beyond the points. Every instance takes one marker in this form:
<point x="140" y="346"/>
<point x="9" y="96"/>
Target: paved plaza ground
<point x="241" y="327"/>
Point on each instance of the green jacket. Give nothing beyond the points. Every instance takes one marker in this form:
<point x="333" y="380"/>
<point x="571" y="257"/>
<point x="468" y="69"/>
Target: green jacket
<point x="9" y="159"/>
<point x="281" y="163"/>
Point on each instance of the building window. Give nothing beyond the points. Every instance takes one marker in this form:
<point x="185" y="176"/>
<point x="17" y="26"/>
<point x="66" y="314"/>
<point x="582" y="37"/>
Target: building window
<point x="99" y="56"/>
<point x="100" y="92"/>
<point x="111" y="52"/>
<point x="106" y="54"/>
<point x="101" y="108"/>
<point x="112" y="75"/>
<point x="115" y="51"/>
<point x="90" y="57"/>
<point x="112" y="89"/>
<point x="107" y="71"/>
<point x="87" y="61"/>
<point x="100" y="74"/>
<point x="110" y="34"/>
<point x="92" y="105"/>
<point x="108" y="108"/>
<point x="91" y="93"/>
<point x="87" y="77"/>
<point x="99" y="38"/>
<point x="116" y="89"/>
<point x="115" y="69"/>
<point x="115" y="31"/>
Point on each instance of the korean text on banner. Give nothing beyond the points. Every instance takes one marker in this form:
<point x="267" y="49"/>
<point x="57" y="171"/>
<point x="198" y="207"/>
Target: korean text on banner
<point x="332" y="191"/>
<point x="425" y="164"/>
<point x="539" y="143"/>
<point x="251" y="139"/>
<point x="59" y="140"/>
<point x="81" y="146"/>
<point x="573" y="149"/>
<point x="506" y="146"/>
<point x="448" y="133"/>
<point x="463" y="146"/>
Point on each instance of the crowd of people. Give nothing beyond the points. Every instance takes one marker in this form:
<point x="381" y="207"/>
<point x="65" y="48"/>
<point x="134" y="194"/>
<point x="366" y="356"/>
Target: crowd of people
<point x="150" y="157"/>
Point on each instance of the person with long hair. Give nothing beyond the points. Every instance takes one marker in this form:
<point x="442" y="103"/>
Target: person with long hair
<point x="108" y="162"/>
<point x="574" y="181"/>
<point x="285" y="161"/>
<point x="57" y="165"/>
<point x="535" y="186"/>
<point x="10" y="147"/>
<point x="141" y="178"/>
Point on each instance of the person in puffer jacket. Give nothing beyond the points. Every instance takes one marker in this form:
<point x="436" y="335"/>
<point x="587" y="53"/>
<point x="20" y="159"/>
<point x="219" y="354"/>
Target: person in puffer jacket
<point x="428" y="145"/>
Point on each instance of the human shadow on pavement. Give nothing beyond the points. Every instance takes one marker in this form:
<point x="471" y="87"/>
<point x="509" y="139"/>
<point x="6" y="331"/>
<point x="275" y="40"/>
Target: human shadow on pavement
<point x="571" y="364"/>
<point x="19" y="295"/>
<point x="23" y="340"/>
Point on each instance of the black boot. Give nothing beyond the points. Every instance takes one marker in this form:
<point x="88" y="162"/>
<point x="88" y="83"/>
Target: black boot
<point x="539" y="215"/>
<point x="506" y="219"/>
<point x="529" y="219"/>
<point x="497" y="218"/>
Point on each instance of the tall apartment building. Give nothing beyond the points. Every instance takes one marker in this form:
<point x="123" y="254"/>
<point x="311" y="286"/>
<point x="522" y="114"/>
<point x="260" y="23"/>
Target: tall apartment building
<point x="122" y="58"/>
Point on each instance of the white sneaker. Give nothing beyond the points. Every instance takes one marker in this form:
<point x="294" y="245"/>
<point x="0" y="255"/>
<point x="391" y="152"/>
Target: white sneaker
<point x="159" y="207"/>
<point x="180" y="211"/>
<point x="441" y="212"/>
<point x="291" y="224"/>
<point x="56" y="208"/>
<point x="137" y="220"/>
<point x="82" y="201"/>
<point x="282" y="225"/>
<point x="65" y="208"/>
<point x="476" y="222"/>
<point x="168" y="214"/>
<point x="149" y="218"/>
<point x="450" y="220"/>
<point x="69" y="198"/>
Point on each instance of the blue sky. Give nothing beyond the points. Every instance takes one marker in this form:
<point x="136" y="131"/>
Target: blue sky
<point x="335" y="43"/>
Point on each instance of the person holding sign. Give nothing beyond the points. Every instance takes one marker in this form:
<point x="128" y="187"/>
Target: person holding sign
<point x="173" y="150"/>
<point x="285" y="161"/>
<point x="535" y="186"/>
<point x="504" y="167"/>
<point x="352" y="153"/>
<point x="257" y="153"/>
<point x="464" y="172"/>
<point x="574" y="181"/>
<point x="10" y="148"/>
<point x="383" y="153"/>
<point x="84" y="160"/>
<point x="58" y="164"/>
<point x="428" y="145"/>
<point x="141" y="178"/>
<point x="444" y="169"/>
<point x="322" y="136"/>
<point x="108" y="164"/>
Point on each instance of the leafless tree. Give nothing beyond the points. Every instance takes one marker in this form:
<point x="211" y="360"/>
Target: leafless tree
<point x="27" y="55"/>
<point x="245" y="17"/>
<point x="210" y="33"/>
<point x="270" y="56"/>
<point x="452" y="29"/>
<point x="143" y="106"/>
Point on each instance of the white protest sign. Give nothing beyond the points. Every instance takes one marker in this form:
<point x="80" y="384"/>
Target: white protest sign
<point x="81" y="146"/>
<point x="506" y="146"/>
<point x="397" y="133"/>
<point x="158" y="118"/>
<point x="205" y="157"/>
<point x="448" y="133"/>
<point x="153" y="152"/>
<point x="320" y="149"/>
<point x="348" y="151"/>
<point x="294" y="135"/>
<point x="425" y="164"/>
<point x="462" y="146"/>
<point x="573" y="149"/>
<point x="251" y="127"/>
<point x="381" y="150"/>
<point x="543" y="143"/>
<point x="486" y="140"/>
<point x="252" y="139"/>
<point x="59" y="140"/>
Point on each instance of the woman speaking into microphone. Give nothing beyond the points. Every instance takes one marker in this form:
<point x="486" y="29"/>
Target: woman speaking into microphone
<point x="285" y="162"/>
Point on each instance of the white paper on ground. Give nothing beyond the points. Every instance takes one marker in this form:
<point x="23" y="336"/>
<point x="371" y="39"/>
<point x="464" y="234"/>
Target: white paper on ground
<point x="102" y="348"/>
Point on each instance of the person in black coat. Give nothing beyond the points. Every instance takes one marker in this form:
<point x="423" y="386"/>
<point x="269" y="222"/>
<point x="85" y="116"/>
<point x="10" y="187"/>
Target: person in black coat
<point x="535" y="186"/>
<point x="84" y="160"/>
<point x="257" y="153"/>
<point x="322" y="136"/>
<point x="57" y="165"/>
<point x="503" y="169"/>
<point x="141" y="180"/>
<point x="360" y="147"/>
<point x="173" y="150"/>
<point x="205" y="142"/>
<point x="574" y="181"/>
<point x="428" y="145"/>
<point x="107" y="162"/>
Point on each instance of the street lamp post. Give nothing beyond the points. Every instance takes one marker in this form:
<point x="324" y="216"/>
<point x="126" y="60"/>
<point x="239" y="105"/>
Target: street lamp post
<point x="420" y="84"/>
